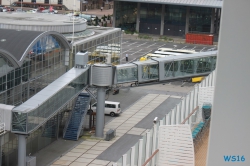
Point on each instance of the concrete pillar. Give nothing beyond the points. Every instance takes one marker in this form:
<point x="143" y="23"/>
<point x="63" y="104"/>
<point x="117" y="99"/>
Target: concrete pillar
<point x="21" y="150"/>
<point x="162" y="19"/>
<point x="228" y="140"/>
<point x="216" y="22"/>
<point x="138" y="17"/>
<point x="100" y="112"/>
<point x="187" y="20"/>
<point x="212" y="21"/>
<point x="114" y="13"/>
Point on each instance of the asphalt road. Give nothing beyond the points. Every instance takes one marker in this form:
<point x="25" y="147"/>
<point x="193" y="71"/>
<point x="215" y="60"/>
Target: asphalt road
<point x="137" y="48"/>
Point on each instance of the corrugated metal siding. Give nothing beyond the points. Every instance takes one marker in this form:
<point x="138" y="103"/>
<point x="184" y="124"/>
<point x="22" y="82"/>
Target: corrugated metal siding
<point x="17" y="41"/>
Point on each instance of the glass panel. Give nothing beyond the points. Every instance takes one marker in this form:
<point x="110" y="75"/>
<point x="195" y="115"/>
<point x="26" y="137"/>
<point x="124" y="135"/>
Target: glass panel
<point x="127" y="74"/>
<point x="150" y="18"/>
<point x="150" y="71"/>
<point x="200" y="19"/>
<point x="126" y="13"/>
<point x="187" y="67"/>
<point x="174" y="20"/>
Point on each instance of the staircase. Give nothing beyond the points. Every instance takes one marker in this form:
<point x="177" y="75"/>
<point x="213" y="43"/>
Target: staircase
<point x="74" y="125"/>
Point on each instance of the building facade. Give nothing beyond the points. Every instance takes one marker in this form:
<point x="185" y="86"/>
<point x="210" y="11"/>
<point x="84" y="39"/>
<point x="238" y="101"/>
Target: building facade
<point x="32" y="57"/>
<point x="166" y="17"/>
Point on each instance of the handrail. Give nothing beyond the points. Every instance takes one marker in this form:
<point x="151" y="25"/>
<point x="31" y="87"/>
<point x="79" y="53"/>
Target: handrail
<point x="148" y="160"/>
<point x="190" y="115"/>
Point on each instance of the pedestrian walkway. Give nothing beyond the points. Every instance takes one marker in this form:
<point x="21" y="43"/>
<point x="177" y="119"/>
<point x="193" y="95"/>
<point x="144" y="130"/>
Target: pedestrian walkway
<point x="201" y="154"/>
<point x="92" y="151"/>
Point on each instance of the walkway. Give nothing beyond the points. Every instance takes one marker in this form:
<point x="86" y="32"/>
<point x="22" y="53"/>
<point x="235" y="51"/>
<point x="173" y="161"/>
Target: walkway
<point x="201" y="154"/>
<point x="94" y="152"/>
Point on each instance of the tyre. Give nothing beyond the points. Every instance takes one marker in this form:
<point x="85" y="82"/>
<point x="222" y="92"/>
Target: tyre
<point x="112" y="114"/>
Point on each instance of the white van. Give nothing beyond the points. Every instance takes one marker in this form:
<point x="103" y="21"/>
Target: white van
<point x="111" y="108"/>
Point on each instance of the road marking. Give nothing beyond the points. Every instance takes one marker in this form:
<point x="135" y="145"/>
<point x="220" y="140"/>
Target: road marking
<point x="141" y="44"/>
<point x="161" y="45"/>
<point x="124" y="42"/>
<point x="151" y="45"/>
<point x="136" y="52"/>
<point x="193" y="48"/>
<point x="127" y="50"/>
<point x="202" y="49"/>
<point x="183" y="47"/>
<point x="131" y="44"/>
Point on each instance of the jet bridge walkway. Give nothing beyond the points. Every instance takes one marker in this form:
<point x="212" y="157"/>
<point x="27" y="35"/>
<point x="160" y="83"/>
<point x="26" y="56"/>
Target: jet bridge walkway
<point x="33" y="113"/>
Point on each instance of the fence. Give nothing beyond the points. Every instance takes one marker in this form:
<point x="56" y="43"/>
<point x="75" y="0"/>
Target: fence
<point x="188" y="111"/>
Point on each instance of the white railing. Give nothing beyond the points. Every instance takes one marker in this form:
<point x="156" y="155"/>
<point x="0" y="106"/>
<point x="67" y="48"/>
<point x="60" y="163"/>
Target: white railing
<point x="188" y="111"/>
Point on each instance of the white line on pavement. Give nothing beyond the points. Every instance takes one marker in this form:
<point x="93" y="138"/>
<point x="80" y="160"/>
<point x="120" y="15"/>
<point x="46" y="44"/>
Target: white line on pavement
<point x="151" y="45"/>
<point x="127" y="50"/>
<point x="141" y="44"/>
<point x="161" y="45"/>
<point x="183" y="47"/>
<point x="193" y="48"/>
<point x="202" y="49"/>
<point x="136" y="52"/>
<point x="131" y="44"/>
<point x="124" y="42"/>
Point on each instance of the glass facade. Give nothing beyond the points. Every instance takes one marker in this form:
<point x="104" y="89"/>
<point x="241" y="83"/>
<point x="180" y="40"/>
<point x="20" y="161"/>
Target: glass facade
<point x="37" y="140"/>
<point x="200" y="19"/>
<point x="41" y="66"/>
<point x="26" y="122"/>
<point x="126" y="13"/>
<point x="102" y="49"/>
<point x="175" y="20"/>
<point x="150" y="18"/>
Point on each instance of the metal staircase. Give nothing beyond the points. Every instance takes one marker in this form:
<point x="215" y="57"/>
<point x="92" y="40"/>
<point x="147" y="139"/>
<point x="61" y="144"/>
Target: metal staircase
<point x="74" y="125"/>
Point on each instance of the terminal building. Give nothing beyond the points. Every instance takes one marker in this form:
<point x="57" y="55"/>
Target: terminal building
<point x="168" y="17"/>
<point x="35" y="50"/>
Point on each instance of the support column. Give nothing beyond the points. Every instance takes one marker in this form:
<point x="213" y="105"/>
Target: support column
<point x="114" y="13"/>
<point x="162" y="19"/>
<point x="187" y="20"/>
<point x="212" y="21"/>
<point x="100" y="112"/>
<point x="21" y="150"/>
<point x="138" y="17"/>
<point x="216" y="20"/>
<point x="228" y="142"/>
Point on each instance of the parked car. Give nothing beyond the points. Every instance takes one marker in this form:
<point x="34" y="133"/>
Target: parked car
<point x="112" y="108"/>
<point x="9" y="9"/>
<point x="34" y="10"/>
<point x="4" y="9"/>
<point x="19" y="10"/>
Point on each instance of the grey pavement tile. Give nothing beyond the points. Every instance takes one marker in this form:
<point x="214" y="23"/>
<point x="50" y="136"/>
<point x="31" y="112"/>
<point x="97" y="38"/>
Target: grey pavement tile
<point x="118" y="148"/>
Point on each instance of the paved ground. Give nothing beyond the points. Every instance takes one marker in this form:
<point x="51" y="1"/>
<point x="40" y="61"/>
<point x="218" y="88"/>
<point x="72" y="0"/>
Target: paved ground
<point x="130" y="125"/>
<point x="135" y="48"/>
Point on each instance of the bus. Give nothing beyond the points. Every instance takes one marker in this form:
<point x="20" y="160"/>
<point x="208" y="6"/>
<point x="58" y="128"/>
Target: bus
<point x="37" y="5"/>
<point x="165" y="52"/>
